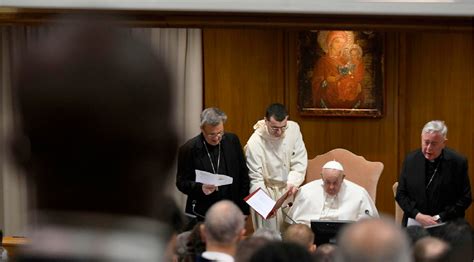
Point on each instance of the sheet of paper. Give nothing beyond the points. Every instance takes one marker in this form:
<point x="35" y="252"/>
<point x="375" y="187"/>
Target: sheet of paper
<point x="213" y="179"/>
<point x="413" y="222"/>
<point x="261" y="202"/>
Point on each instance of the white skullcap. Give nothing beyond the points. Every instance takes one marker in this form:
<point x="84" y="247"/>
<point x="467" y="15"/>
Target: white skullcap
<point x="333" y="165"/>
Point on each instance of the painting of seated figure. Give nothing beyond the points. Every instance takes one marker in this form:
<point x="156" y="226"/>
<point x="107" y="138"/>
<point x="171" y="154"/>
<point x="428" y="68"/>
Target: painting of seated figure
<point x="340" y="73"/>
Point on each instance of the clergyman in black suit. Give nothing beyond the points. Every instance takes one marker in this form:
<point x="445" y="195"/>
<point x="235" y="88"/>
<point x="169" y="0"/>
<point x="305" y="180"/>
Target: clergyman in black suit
<point x="434" y="183"/>
<point x="216" y="152"/>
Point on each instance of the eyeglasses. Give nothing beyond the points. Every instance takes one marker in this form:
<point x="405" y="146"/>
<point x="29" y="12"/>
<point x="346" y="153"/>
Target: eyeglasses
<point x="276" y="128"/>
<point x="214" y="135"/>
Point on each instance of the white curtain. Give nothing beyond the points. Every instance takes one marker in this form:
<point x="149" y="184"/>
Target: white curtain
<point x="181" y="49"/>
<point x="13" y="196"/>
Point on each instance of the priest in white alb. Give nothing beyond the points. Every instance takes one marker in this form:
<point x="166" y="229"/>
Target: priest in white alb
<point x="277" y="160"/>
<point x="332" y="198"/>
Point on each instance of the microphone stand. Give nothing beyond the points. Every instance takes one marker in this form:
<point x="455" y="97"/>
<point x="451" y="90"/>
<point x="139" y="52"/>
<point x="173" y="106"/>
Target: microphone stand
<point x="194" y="211"/>
<point x="286" y="215"/>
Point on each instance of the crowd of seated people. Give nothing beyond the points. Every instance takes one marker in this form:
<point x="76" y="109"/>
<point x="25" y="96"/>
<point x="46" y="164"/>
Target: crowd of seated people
<point x="369" y="239"/>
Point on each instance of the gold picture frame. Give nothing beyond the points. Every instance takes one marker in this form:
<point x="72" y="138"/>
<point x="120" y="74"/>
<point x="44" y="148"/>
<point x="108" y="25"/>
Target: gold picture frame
<point x="340" y="73"/>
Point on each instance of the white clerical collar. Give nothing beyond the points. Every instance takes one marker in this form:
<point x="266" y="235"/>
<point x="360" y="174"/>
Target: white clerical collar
<point x="217" y="256"/>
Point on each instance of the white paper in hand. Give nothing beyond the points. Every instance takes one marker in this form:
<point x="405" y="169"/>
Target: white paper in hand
<point x="413" y="222"/>
<point x="212" y="179"/>
<point x="261" y="202"/>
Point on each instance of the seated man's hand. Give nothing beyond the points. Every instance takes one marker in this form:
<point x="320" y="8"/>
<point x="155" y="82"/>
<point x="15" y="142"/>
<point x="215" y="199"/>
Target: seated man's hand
<point x="426" y="220"/>
<point x="208" y="189"/>
<point x="292" y="189"/>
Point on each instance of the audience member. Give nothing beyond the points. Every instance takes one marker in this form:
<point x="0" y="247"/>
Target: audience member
<point x="430" y="249"/>
<point x="416" y="233"/>
<point x="181" y="249"/>
<point x="282" y="252"/>
<point x="332" y="198"/>
<point x="96" y="140"/>
<point x="175" y="220"/>
<point x="373" y="240"/>
<point x="269" y="234"/>
<point x="434" y="185"/>
<point x="459" y="235"/>
<point x="247" y="247"/>
<point x="190" y="244"/>
<point x="222" y="230"/>
<point x="325" y="253"/>
<point x="277" y="160"/>
<point x="300" y="234"/>
<point x="216" y="152"/>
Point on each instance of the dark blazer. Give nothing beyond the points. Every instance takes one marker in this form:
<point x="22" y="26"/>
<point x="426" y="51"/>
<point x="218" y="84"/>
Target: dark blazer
<point x="451" y="190"/>
<point x="192" y="155"/>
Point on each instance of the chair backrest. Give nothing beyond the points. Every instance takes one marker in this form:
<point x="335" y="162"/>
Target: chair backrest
<point x="356" y="168"/>
<point x="398" y="209"/>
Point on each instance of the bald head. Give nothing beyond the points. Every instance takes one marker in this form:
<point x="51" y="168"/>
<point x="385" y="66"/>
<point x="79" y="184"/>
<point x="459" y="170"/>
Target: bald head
<point x="430" y="249"/>
<point x="224" y="223"/>
<point x="373" y="240"/>
<point x="300" y="234"/>
<point x="95" y="105"/>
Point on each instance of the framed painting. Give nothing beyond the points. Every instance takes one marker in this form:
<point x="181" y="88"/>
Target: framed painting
<point x="340" y="73"/>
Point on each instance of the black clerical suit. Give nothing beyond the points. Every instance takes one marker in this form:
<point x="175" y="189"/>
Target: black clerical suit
<point x="194" y="155"/>
<point x="447" y="195"/>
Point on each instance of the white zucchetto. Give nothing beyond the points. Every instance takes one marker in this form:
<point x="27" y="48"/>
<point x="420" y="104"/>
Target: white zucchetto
<point x="333" y="165"/>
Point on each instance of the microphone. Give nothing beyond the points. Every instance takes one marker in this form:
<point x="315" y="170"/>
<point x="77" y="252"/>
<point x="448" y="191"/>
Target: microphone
<point x="196" y="213"/>
<point x="286" y="215"/>
<point x="368" y="213"/>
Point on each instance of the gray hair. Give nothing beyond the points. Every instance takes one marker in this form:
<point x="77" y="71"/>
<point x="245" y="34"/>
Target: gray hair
<point x="267" y="233"/>
<point x="224" y="222"/>
<point x="435" y="126"/>
<point x="212" y="116"/>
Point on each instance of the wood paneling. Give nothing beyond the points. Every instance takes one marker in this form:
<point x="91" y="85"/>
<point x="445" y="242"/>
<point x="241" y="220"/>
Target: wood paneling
<point x="243" y="73"/>
<point x="428" y="75"/>
<point x="439" y="85"/>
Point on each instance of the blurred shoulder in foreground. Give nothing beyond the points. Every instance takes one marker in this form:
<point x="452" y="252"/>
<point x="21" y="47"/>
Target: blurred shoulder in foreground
<point x="96" y="140"/>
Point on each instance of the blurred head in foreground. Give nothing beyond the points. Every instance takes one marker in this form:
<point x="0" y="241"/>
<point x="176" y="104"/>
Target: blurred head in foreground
<point x="373" y="240"/>
<point x="95" y="131"/>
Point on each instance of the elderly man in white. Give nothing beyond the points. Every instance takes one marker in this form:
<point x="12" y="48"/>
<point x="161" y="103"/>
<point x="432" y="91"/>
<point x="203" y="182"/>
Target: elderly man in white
<point x="332" y="198"/>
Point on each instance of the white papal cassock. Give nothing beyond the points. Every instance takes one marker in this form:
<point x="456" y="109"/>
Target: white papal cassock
<point x="313" y="203"/>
